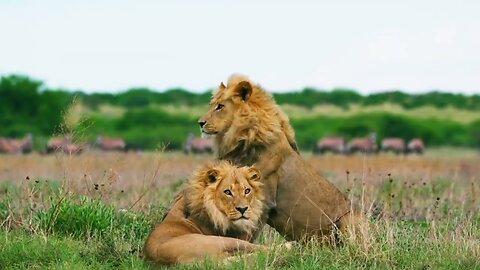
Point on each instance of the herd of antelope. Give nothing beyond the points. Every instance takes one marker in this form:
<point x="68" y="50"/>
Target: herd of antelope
<point x="368" y="144"/>
<point x="64" y="144"/>
<point x="198" y="145"/>
<point x="332" y="144"/>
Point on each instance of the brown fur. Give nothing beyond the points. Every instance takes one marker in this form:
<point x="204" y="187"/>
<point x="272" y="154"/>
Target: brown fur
<point x="250" y="129"/>
<point x="205" y="221"/>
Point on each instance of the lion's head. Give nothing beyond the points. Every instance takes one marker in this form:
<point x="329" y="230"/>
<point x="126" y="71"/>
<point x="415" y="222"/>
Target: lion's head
<point x="229" y="197"/>
<point x="242" y="114"/>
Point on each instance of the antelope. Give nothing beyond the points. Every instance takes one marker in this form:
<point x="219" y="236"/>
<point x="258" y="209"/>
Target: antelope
<point x="197" y="145"/>
<point x="12" y="146"/>
<point x="366" y="144"/>
<point x="416" y="146"/>
<point x="63" y="144"/>
<point x="110" y="143"/>
<point x="395" y="145"/>
<point x="332" y="144"/>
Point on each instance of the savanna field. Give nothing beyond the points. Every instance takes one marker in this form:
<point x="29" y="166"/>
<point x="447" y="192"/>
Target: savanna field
<point x="94" y="211"/>
<point x="108" y="107"/>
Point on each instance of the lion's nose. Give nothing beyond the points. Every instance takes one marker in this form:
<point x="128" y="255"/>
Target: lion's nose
<point x="202" y="123"/>
<point x="241" y="209"/>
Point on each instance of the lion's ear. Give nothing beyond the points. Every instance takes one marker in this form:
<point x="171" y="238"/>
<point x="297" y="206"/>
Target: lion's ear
<point x="254" y="174"/>
<point x="212" y="175"/>
<point x="244" y="90"/>
<point x="222" y="86"/>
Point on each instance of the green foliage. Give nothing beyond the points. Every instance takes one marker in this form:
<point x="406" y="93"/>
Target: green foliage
<point x="474" y="132"/>
<point x="72" y="232"/>
<point x="397" y="245"/>
<point x="89" y="234"/>
<point x="310" y="97"/>
<point x="136" y="98"/>
<point x="21" y="250"/>
<point x="151" y="128"/>
<point x="434" y="98"/>
<point x="3" y="209"/>
<point x="95" y="99"/>
<point x="85" y="218"/>
<point x="25" y="107"/>
<point x="143" y="97"/>
<point x="88" y="217"/>
<point x="52" y="105"/>
<point x="151" y="118"/>
<point x="142" y="128"/>
<point x="433" y="131"/>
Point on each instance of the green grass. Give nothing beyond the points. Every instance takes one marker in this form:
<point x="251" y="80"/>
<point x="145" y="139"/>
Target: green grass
<point x="299" y="112"/>
<point x="398" y="245"/>
<point x="76" y="232"/>
<point x="23" y="250"/>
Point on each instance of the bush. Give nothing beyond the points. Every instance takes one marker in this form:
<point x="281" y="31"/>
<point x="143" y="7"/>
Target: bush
<point x="89" y="217"/>
<point x="152" y="128"/>
<point x="434" y="132"/>
<point x="474" y="132"/>
<point x="25" y="107"/>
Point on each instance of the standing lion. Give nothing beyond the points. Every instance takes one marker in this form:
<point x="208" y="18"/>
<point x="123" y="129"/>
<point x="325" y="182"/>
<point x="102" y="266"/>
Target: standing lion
<point x="249" y="128"/>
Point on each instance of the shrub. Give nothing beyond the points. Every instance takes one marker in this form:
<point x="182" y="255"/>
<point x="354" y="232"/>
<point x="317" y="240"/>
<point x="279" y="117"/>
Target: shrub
<point x="434" y="132"/>
<point x="89" y="217"/>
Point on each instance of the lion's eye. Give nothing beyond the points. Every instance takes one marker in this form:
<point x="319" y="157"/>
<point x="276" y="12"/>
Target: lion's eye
<point x="247" y="190"/>
<point x="228" y="192"/>
<point x="219" y="107"/>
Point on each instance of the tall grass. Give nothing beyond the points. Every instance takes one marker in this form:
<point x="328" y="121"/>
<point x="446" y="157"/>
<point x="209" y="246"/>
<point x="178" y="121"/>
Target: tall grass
<point x="424" y="212"/>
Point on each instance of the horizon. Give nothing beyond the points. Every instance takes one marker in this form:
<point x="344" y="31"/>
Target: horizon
<point x="369" y="47"/>
<point x="43" y="86"/>
<point x="199" y="92"/>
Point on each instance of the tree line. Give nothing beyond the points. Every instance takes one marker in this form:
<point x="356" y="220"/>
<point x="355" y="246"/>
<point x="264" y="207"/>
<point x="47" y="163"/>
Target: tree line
<point x="308" y="97"/>
<point x="28" y="106"/>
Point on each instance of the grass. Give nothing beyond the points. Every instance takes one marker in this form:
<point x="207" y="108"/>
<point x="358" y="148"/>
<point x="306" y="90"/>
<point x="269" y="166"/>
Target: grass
<point x="22" y="250"/>
<point x="424" y="112"/>
<point x="100" y="210"/>
<point x="300" y="112"/>
<point x="401" y="245"/>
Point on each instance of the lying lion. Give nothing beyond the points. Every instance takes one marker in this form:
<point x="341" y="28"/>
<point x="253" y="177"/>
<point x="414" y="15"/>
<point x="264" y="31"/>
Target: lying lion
<point x="215" y="215"/>
<point x="250" y="129"/>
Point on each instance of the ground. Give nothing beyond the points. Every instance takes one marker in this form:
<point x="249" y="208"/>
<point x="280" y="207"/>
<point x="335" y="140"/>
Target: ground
<point x="94" y="210"/>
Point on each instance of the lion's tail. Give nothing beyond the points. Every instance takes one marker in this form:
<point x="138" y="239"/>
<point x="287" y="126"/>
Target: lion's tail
<point x="354" y="227"/>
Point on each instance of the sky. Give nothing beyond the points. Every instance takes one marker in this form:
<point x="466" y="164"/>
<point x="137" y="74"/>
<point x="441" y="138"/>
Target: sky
<point x="371" y="46"/>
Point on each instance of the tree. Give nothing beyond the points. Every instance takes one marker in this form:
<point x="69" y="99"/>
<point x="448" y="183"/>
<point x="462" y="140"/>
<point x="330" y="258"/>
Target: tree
<point x="25" y="107"/>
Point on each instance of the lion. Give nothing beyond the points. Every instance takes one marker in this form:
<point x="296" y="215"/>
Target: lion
<point x="249" y="128"/>
<point x="215" y="215"/>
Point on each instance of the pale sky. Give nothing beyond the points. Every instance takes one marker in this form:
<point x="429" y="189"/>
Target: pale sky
<point x="371" y="46"/>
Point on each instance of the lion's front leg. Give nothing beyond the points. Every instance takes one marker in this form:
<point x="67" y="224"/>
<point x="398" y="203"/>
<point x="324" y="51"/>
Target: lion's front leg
<point x="190" y="247"/>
